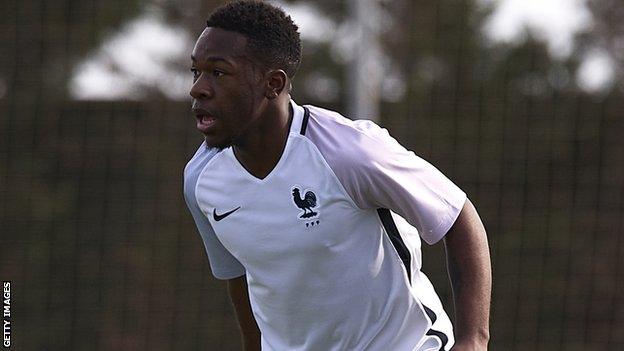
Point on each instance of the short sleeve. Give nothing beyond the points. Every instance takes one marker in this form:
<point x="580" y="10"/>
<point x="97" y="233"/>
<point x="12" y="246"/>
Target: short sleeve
<point x="222" y="263"/>
<point x="378" y="172"/>
<point x="393" y="177"/>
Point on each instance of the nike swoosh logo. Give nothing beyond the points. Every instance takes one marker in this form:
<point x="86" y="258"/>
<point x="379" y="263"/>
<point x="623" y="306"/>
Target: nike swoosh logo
<point x="218" y="217"/>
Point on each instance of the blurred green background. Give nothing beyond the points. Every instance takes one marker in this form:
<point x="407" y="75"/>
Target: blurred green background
<point x="519" y="102"/>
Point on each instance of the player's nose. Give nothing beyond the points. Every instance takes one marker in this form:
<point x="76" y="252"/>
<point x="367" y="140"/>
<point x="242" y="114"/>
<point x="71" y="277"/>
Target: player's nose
<point x="200" y="90"/>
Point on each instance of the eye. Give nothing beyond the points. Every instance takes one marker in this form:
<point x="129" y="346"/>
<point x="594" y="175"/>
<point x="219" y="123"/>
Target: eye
<point x="195" y="73"/>
<point x="217" y="73"/>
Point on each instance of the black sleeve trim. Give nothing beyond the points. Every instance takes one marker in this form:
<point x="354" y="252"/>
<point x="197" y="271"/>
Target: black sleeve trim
<point x="395" y="237"/>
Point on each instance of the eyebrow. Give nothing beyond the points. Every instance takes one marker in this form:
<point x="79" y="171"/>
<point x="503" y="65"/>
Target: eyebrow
<point x="214" y="59"/>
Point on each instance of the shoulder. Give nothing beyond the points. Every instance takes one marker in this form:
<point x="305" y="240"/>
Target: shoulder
<point x="195" y="166"/>
<point x="349" y="143"/>
<point x="202" y="156"/>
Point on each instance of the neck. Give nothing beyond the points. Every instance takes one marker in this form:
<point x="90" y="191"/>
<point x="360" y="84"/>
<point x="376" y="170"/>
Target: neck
<point x="262" y="148"/>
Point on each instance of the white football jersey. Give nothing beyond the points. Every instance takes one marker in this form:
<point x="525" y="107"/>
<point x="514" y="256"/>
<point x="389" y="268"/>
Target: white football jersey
<point x="328" y="264"/>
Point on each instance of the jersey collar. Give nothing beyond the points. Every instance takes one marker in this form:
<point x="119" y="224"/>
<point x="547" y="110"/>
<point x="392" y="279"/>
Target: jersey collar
<point x="295" y="126"/>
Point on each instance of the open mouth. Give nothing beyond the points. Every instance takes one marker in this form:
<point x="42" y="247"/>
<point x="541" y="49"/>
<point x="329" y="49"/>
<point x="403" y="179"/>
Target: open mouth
<point x="205" y="122"/>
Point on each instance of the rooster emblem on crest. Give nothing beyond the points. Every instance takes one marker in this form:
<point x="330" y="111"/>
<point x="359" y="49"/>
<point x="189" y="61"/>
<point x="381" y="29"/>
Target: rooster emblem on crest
<point x="306" y="203"/>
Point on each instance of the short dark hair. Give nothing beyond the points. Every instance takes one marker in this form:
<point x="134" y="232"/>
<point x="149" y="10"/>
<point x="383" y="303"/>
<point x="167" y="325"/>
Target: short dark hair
<point x="272" y="36"/>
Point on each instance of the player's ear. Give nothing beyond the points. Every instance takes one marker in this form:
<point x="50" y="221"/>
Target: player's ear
<point x="277" y="82"/>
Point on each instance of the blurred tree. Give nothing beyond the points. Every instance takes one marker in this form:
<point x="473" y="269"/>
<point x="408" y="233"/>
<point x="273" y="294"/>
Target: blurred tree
<point x="606" y="34"/>
<point x="42" y="40"/>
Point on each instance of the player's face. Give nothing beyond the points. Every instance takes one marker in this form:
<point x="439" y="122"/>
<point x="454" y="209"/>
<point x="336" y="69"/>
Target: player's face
<point x="227" y="88"/>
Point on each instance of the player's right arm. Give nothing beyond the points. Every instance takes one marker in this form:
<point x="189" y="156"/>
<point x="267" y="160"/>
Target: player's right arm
<point x="239" y="296"/>
<point x="224" y="266"/>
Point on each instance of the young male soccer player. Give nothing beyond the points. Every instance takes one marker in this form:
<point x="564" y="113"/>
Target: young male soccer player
<point x="295" y="207"/>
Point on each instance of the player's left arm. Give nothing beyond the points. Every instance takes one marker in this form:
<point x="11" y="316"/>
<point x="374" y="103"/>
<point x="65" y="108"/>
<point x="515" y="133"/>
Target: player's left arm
<point x="470" y="272"/>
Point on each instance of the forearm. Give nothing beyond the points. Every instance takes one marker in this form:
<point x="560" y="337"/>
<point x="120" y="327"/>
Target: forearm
<point x="471" y="278"/>
<point x="250" y="334"/>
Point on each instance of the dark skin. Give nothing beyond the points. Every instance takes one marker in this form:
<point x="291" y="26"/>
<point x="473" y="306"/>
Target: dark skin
<point x="242" y="104"/>
<point x="468" y="260"/>
<point x="239" y="295"/>
<point x="248" y="103"/>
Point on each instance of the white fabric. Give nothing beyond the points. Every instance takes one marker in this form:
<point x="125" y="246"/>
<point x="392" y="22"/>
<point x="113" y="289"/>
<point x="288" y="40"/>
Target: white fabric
<point x="378" y="172"/>
<point x="331" y="280"/>
<point x="222" y="263"/>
